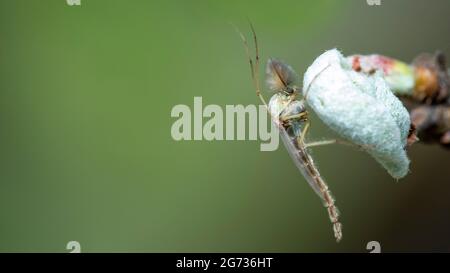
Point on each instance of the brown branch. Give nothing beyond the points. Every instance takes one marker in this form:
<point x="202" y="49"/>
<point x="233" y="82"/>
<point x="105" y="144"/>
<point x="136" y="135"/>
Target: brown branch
<point x="429" y="104"/>
<point x="432" y="123"/>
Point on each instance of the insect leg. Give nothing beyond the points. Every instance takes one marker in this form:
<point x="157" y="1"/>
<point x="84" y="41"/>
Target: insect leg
<point x="321" y="143"/>
<point x="254" y="67"/>
<point x="304" y="131"/>
<point x="296" y="116"/>
<point x="305" y="95"/>
<point x="337" y="141"/>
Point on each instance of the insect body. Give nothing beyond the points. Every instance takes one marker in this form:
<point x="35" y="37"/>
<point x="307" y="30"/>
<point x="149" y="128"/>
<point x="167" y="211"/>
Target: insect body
<point x="291" y="117"/>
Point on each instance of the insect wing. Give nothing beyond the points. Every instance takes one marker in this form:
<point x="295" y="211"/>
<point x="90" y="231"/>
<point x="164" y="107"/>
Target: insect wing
<point x="295" y="154"/>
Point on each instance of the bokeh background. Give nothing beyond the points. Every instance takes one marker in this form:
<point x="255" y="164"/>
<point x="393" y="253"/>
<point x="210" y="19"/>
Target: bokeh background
<point x="86" y="152"/>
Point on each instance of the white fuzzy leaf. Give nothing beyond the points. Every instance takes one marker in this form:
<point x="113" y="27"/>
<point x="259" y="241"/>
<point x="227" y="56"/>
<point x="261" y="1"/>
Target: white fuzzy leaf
<point x="361" y="109"/>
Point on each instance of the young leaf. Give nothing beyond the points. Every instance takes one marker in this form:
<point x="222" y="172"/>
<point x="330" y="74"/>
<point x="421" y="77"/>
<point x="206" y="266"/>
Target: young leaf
<point x="361" y="108"/>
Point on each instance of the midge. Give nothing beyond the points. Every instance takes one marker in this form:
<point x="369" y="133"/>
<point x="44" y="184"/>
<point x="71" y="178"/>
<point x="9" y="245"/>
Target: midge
<point x="291" y="117"/>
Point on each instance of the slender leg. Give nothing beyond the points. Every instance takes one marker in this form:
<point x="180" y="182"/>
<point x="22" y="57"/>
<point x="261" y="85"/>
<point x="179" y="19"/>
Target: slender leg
<point x="304" y="131"/>
<point x="297" y="116"/>
<point x="321" y="143"/>
<point x="305" y="95"/>
<point x="336" y="141"/>
<point x="254" y="67"/>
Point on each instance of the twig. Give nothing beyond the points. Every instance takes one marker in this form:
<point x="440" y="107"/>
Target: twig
<point x="424" y="88"/>
<point x="429" y="105"/>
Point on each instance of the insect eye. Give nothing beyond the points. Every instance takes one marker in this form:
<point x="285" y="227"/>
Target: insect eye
<point x="287" y="91"/>
<point x="291" y="89"/>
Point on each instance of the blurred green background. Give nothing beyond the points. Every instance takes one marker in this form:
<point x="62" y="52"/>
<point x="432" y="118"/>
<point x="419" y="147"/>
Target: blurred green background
<point x="86" y="151"/>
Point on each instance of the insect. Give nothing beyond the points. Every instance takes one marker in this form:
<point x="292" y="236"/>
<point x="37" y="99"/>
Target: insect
<point x="291" y="117"/>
